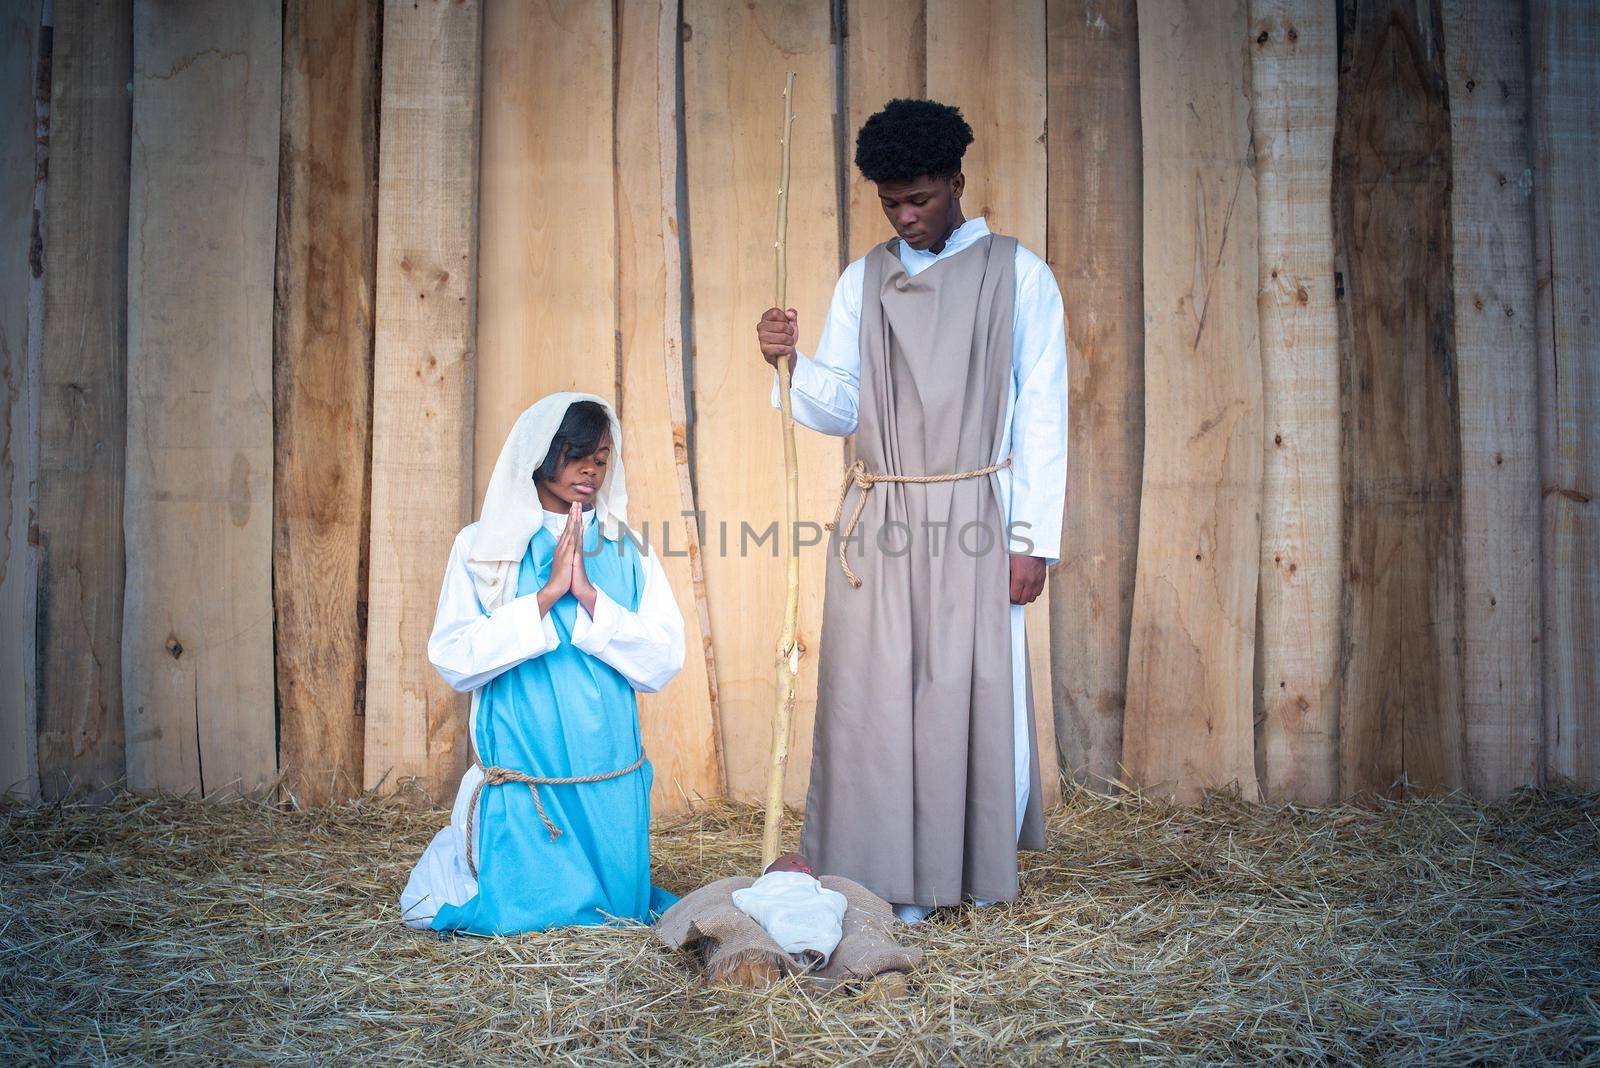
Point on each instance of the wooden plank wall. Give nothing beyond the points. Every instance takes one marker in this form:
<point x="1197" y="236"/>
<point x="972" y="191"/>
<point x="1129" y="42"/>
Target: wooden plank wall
<point x="734" y="58"/>
<point x="1188" y="721"/>
<point x="197" y="622"/>
<point x="885" y="57"/>
<point x="678" y="725"/>
<point x="1294" y="76"/>
<point x="1400" y="713"/>
<point x="547" y="266"/>
<point x="1096" y="248"/>
<point x="575" y="291"/>
<point x="1491" y="208"/>
<point x="19" y="397"/>
<point x="1329" y="275"/>
<point x="1565" y="55"/>
<point x="322" y="382"/>
<point x="83" y="402"/>
<point x="422" y="388"/>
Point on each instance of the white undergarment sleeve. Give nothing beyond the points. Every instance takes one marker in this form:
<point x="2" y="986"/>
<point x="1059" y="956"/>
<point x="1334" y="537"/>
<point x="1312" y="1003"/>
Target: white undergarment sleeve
<point x="646" y="646"/>
<point x="797" y="911"/>
<point x="1022" y="742"/>
<point x="470" y="646"/>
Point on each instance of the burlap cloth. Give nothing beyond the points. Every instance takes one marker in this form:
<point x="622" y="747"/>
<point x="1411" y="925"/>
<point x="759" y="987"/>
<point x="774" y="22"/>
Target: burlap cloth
<point x="866" y="950"/>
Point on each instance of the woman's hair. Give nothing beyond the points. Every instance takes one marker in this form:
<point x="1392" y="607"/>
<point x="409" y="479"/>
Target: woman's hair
<point x="910" y="138"/>
<point x="580" y="433"/>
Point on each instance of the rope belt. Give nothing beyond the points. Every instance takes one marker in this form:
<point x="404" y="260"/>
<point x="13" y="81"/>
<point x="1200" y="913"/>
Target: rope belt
<point x="858" y="473"/>
<point x="498" y="776"/>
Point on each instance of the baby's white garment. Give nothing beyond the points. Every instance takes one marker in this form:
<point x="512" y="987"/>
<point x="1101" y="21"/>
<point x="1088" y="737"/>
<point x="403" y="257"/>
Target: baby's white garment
<point x="797" y="911"/>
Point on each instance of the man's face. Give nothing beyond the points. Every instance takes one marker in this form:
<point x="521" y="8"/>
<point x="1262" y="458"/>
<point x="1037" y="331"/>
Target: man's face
<point x="924" y="210"/>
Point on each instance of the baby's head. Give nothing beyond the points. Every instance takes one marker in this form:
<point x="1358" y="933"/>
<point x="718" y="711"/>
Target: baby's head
<point x="791" y="862"/>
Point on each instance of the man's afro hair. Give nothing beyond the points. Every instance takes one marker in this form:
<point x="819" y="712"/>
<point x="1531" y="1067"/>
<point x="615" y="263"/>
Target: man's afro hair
<point x="910" y="138"/>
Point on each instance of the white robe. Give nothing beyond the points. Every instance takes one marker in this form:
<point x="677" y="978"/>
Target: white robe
<point x="796" y="910"/>
<point x="470" y="646"/>
<point x="825" y="391"/>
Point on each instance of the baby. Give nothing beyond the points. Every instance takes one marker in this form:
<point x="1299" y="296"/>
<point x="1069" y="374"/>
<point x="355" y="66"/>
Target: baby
<point x="805" y="918"/>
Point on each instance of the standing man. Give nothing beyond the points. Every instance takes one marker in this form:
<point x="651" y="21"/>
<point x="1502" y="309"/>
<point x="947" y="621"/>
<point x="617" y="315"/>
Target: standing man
<point x="944" y="352"/>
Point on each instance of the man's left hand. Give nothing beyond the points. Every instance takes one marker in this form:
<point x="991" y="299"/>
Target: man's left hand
<point x="1027" y="578"/>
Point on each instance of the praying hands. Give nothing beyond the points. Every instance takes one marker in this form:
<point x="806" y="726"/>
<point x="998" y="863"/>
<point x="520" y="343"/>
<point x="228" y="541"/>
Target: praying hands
<point x="567" y="573"/>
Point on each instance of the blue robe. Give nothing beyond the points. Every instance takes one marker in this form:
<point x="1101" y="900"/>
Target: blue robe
<point x="563" y="714"/>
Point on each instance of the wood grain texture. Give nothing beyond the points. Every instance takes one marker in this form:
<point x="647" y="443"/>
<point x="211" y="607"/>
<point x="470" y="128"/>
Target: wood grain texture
<point x="1565" y="53"/>
<point x="547" y="265"/>
<point x="83" y="402"/>
<point x="1188" y="721"/>
<point x="327" y="246"/>
<point x="1400" y="712"/>
<point x="422" y="383"/>
<point x="678" y="725"/>
<point x="20" y="177"/>
<point x="1294" y="75"/>
<point x="735" y="56"/>
<point x="885" y="58"/>
<point x="1095" y="248"/>
<point x="1491" y="206"/>
<point x="988" y="59"/>
<point x="197" y="620"/>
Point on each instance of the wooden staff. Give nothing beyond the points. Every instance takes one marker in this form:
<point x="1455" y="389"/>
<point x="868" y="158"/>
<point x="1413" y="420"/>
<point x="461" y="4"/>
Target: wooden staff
<point x="788" y="648"/>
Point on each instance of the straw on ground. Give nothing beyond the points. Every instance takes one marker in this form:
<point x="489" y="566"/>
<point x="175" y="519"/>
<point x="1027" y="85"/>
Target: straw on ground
<point x="1426" y="931"/>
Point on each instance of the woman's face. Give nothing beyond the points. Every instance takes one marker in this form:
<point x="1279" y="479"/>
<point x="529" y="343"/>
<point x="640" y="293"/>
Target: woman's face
<point x="579" y="479"/>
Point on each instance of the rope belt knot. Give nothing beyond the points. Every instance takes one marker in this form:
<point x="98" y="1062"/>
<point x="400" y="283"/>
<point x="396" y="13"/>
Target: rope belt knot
<point x="858" y="475"/>
<point x="495" y="775"/>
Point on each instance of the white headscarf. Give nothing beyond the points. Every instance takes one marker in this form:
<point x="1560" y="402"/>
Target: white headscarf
<point x="512" y="514"/>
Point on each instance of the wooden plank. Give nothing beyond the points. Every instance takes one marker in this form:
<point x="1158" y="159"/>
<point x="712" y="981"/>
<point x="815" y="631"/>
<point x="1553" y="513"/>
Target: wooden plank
<point x="885" y="57"/>
<point x="988" y="59"/>
<point x="679" y="724"/>
<point x="327" y="243"/>
<point x="422" y="382"/>
<point x="83" y="402"/>
<point x="1294" y="75"/>
<point x="1491" y="210"/>
<point x="1566" y="104"/>
<point x="1400" y="710"/>
<point x="547" y="268"/>
<point x="735" y="56"/>
<point x="197" y="622"/>
<point x="1095" y="248"/>
<point x="1188" y="720"/>
<point x="20" y="180"/>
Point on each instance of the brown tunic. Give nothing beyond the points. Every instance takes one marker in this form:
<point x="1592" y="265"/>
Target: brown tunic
<point x="913" y="792"/>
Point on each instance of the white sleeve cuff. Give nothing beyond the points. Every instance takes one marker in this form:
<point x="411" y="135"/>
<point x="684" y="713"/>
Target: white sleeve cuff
<point x="536" y="633"/>
<point x="594" y="633"/>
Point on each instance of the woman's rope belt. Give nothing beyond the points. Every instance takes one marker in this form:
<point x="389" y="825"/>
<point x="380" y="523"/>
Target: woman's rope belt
<point x="858" y="474"/>
<point x="498" y="776"/>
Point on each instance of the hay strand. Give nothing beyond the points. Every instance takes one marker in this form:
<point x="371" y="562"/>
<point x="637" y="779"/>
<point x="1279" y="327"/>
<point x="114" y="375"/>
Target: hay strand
<point x="1429" y="931"/>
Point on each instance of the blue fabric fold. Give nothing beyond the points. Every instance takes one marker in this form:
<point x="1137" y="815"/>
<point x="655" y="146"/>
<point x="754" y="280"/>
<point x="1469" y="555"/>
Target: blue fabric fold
<point x="561" y="715"/>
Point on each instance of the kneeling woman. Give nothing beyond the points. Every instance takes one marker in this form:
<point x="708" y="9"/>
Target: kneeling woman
<point x="552" y="617"/>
